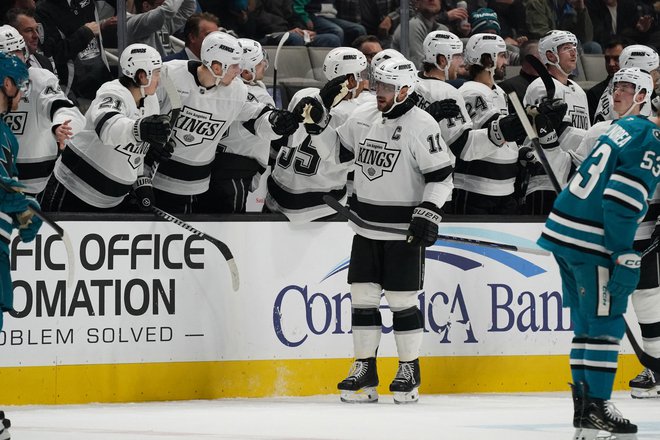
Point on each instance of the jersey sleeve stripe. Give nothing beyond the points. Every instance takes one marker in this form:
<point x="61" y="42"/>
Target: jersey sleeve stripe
<point x="345" y="155"/>
<point x="6" y="218"/>
<point x="59" y="104"/>
<point x="623" y="199"/>
<point x="617" y="177"/>
<point x="439" y="175"/>
<point x="575" y="225"/>
<point x="102" y="120"/>
<point x="4" y="233"/>
<point x="458" y="145"/>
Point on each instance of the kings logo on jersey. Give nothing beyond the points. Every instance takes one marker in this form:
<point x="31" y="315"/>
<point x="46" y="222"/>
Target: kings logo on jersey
<point x="375" y="158"/>
<point x="134" y="152"/>
<point x="16" y="122"/>
<point x="194" y="126"/>
<point x="579" y="117"/>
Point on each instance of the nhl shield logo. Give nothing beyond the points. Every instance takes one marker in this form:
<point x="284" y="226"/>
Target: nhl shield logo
<point x="195" y="126"/>
<point x="374" y="158"/>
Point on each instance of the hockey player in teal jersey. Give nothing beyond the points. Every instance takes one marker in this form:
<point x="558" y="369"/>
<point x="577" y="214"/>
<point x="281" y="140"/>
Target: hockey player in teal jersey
<point x="13" y="205"/>
<point x="590" y="231"/>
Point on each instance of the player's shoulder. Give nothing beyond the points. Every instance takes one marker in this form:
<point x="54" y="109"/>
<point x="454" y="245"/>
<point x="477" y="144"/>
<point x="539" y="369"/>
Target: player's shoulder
<point x="419" y="121"/>
<point x="474" y="88"/>
<point x="39" y="76"/>
<point x="114" y="88"/>
<point x="633" y="132"/>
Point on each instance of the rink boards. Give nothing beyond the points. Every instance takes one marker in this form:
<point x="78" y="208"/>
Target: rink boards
<point x="152" y="316"/>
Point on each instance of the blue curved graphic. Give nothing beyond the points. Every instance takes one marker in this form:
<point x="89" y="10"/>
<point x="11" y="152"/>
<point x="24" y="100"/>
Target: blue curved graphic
<point x="512" y="261"/>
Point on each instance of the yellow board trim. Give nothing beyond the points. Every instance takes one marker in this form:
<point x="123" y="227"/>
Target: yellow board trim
<point x="110" y="383"/>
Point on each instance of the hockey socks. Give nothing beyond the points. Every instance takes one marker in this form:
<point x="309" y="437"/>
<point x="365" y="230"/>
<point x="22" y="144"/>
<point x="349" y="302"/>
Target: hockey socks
<point x="367" y="329"/>
<point x="408" y="332"/>
<point x="594" y="361"/>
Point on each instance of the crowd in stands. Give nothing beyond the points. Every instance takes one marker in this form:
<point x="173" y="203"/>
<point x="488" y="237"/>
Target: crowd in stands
<point x="71" y="38"/>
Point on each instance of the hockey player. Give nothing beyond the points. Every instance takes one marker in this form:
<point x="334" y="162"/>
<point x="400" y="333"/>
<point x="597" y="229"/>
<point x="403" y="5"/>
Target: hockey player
<point x="241" y="157"/>
<point x="558" y="51"/>
<point x="486" y="170"/>
<point x="13" y="205"/>
<point x="402" y="178"/>
<point x="123" y="128"/>
<point x="590" y="231"/>
<point x="303" y="173"/>
<point x="212" y="99"/>
<point x="44" y="120"/>
<point x="635" y="56"/>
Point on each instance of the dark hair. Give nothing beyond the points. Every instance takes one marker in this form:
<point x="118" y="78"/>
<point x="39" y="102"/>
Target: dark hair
<point x="192" y="24"/>
<point x="486" y="62"/>
<point x="527" y="47"/>
<point x="359" y="41"/>
<point x="11" y="17"/>
<point x="616" y="41"/>
<point x="427" y="67"/>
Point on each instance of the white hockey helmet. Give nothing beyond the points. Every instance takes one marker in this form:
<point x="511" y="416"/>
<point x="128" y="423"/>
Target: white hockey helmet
<point x="345" y="61"/>
<point x="640" y="79"/>
<point x="551" y="42"/>
<point x="253" y="54"/>
<point x="385" y="55"/>
<point x="441" y="43"/>
<point x="220" y="47"/>
<point x="11" y="40"/>
<point x="480" y="44"/>
<point x="138" y="57"/>
<point x="398" y="72"/>
<point x="639" y="56"/>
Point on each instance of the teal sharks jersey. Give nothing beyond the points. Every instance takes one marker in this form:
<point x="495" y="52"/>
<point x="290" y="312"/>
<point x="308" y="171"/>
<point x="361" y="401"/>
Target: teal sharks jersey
<point x="8" y="153"/>
<point x="599" y="211"/>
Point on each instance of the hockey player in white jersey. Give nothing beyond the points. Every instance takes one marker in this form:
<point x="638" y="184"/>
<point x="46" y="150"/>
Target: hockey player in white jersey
<point x="486" y="171"/>
<point x="558" y="51"/>
<point x="241" y="157"/>
<point x="212" y="98"/>
<point x="44" y="118"/>
<point x="101" y="164"/>
<point x="303" y="173"/>
<point x="403" y="177"/>
<point x="634" y="56"/>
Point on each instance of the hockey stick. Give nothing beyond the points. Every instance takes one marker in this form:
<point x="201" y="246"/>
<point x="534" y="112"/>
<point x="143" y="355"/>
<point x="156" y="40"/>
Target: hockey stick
<point x="653" y="246"/>
<point x="275" y="65"/>
<point x="533" y="137"/>
<point x="224" y="250"/>
<point x="645" y="359"/>
<point x="543" y="73"/>
<point x="58" y="230"/>
<point x="347" y="214"/>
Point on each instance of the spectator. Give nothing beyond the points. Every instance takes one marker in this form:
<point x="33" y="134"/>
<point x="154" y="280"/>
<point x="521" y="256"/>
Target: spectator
<point x="512" y="18"/>
<point x="485" y="21"/>
<point x="527" y="73"/>
<point x="197" y="27"/>
<point x="423" y="22"/>
<point x="568" y="15"/>
<point x="369" y="45"/>
<point x="24" y="22"/>
<point x="379" y="17"/>
<point x="321" y="16"/>
<point x="272" y="18"/>
<point x="6" y="5"/>
<point x="612" y="51"/>
<point x="625" y="18"/>
<point x="156" y="20"/>
<point x="71" y="37"/>
<point x="455" y="18"/>
<point x="235" y="14"/>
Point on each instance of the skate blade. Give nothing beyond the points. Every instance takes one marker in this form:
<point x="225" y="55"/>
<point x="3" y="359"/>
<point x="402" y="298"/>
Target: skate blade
<point x="593" y="434"/>
<point x="640" y="393"/>
<point x="364" y="395"/>
<point x="401" y="397"/>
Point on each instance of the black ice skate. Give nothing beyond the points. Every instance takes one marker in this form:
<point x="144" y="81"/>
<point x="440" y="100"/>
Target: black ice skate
<point x="578" y="404"/>
<point x="405" y="385"/>
<point x="360" y="385"/>
<point x="602" y="415"/>
<point x="646" y="385"/>
<point x="5" y="424"/>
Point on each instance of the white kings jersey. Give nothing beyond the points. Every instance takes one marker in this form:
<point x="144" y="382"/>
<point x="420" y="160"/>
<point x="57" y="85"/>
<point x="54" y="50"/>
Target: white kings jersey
<point x="575" y="124"/>
<point x="32" y="123"/>
<point x="205" y="115"/>
<point x="399" y="162"/>
<point x="102" y="161"/>
<point x="238" y="139"/>
<point x="485" y="168"/>
<point x="311" y="166"/>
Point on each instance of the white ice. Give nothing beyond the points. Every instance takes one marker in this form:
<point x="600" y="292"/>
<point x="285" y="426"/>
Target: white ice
<point x="537" y="416"/>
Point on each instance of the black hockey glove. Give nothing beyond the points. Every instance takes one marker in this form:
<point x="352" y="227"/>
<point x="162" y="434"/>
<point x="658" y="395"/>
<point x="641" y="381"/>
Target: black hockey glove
<point x="554" y="110"/>
<point x="334" y="91"/>
<point x="284" y="122"/>
<point x="526" y="156"/>
<point x="154" y="129"/>
<point x="144" y="193"/>
<point x="445" y="109"/>
<point x="159" y="153"/>
<point x="424" y="225"/>
<point x="315" y="117"/>
<point x="505" y="129"/>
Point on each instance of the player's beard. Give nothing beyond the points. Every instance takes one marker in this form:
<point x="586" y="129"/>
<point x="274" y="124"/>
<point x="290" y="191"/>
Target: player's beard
<point x="498" y="74"/>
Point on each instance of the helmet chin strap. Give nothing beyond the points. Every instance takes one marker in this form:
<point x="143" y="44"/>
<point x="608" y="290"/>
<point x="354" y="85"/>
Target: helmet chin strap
<point x="632" y="106"/>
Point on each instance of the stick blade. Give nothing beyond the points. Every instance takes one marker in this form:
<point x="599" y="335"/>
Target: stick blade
<point x="235" y="279"/>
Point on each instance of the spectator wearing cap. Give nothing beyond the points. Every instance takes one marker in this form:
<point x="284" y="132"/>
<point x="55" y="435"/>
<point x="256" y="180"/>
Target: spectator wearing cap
<point x="485" y="21"/>
<point x="512" y="18"/>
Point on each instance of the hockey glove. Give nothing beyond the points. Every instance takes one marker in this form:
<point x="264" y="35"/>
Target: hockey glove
<point x="526" y="156"/>
<point x="424" y="225"/>
<point x="284" y="122"/>
<point x="505" y="129"/>
<point x="28" y="223"/>
<point x="12" y="202"/>
<point x="554" y="110"/>
<point x="625" y="275"/>
<point x="144" y="193"/>
<point x="154" y="129"/>
<point x="334" y="91"/>
<point x="315" y="117"/>
<point x="445" y="109"/>
<point x="159" y="153"/>
<point x="546" y="131"/>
